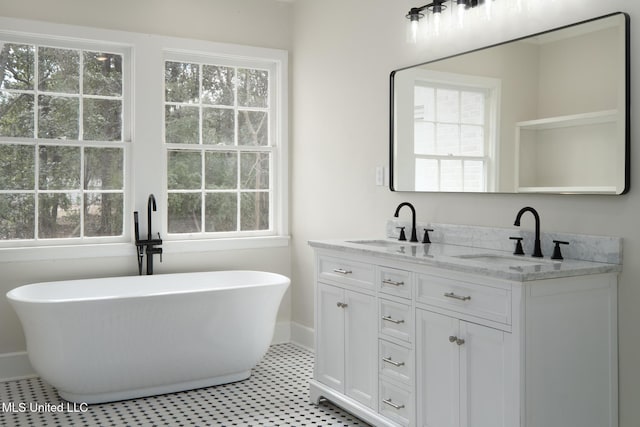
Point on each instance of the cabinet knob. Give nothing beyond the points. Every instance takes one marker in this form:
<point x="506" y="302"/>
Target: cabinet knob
<point x="341" y="305"/>
<point x="456" y="340"/>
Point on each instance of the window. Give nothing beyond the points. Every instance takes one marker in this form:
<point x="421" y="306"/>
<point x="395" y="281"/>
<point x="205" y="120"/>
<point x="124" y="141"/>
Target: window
<point x="210" y="141"/>
<point x="453" y="136"/>
<point x="62" y="153"/>
<point x="222" y="148"/>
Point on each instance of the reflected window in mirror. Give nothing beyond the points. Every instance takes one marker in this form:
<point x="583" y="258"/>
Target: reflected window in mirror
<point x="453" y="129"/>
<point x="454" y="136"/>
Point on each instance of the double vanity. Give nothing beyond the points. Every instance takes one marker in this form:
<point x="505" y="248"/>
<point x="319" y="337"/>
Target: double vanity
<point x="461" y="332"/>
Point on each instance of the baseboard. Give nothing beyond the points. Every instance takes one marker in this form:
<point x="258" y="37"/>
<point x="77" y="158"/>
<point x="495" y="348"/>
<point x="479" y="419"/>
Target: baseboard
<point x="15" y="366"/>
<point x="303" y="336"/>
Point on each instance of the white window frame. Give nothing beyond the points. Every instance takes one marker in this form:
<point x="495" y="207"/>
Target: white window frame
<point x="79" y="44"/>
<point x="275" y="147"/>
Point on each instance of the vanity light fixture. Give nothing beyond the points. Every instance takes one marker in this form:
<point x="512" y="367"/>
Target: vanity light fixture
<point x="433" y="12"/>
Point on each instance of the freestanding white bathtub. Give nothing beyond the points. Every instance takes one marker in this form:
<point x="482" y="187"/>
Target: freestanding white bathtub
<point x="102" y="340"/>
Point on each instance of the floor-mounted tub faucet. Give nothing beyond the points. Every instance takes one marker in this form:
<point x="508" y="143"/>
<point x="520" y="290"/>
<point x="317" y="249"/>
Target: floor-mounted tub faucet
<point x="537" y="251"/>
<point x="150" y="246"/>
<point x="151" y="204"/>
<point x="414" y="237"/>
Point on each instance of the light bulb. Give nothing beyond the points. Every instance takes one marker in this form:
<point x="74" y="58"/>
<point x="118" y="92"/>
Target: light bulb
<point x="436" y="23"/>
<point x="412" y="31"/>
<point x="459" y="14"/>
<point x="489" y="9"/>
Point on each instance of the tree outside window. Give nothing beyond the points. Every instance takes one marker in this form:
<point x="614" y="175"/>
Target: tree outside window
<point x="219" y="149"/>
<point x="61" y="143"/>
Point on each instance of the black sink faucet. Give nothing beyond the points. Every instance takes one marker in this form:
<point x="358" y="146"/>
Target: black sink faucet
<point x="537" y="251"/>
<point x="150" y="245"/>
<point x="414" y="237"/>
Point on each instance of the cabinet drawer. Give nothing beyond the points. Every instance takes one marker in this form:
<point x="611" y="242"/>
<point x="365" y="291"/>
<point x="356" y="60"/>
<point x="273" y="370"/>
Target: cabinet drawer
<point x="394" y="282"/>
<point x="395" y="403"/>
<point x="346" y="271"/>
<point x="395" y="362"/>
<point x="465" y="297"/>
<point x="396" y="320"/>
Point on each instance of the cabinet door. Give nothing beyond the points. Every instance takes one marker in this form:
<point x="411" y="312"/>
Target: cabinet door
<point x="361" y="348"/>
<point x="438" y="370"/>
<point x="329" y="367"/>
<point x="484" y="368"/>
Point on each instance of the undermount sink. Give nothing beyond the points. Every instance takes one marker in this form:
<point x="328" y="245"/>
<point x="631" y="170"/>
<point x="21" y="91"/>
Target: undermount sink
<point x="380" y="243"/>
<point x="503" y="260"/>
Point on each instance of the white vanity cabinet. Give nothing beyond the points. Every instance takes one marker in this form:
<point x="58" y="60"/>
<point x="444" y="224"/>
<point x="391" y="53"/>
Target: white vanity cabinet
<point x="401" y="343"/>
<point x="346" y="334"/>
<point x="462" y="372"/>
<point x="464" y="351"/>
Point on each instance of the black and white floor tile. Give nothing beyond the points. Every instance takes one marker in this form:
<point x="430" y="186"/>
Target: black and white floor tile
<point x="276" y="394"/>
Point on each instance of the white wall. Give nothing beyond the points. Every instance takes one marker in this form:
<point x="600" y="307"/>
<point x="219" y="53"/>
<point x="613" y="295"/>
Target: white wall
<point x="343" y="52"/>
<point x="248" y="22"/>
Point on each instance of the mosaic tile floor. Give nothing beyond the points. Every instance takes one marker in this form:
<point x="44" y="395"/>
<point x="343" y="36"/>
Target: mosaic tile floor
<point x="276" y="394"/>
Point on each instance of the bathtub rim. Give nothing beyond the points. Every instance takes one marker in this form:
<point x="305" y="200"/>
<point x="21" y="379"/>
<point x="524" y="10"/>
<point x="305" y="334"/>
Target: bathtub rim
<point x="14" y="295"/>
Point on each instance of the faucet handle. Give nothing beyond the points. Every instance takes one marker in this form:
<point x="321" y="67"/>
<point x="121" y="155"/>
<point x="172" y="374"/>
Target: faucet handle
<point x="425" y="238"/>
<point x="518" y="250"/>
<point x="402" y="235"/>
<point x="556" y="251"/>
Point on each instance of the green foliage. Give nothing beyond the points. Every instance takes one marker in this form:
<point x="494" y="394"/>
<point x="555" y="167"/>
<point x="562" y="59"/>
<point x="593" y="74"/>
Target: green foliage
<point x="58" y="70"/>
<point x="17" y="216"/>
<point x="16" y="66"/>
<point x="17" y="167"/>
<point x="102" y="74"/>
<point x="65" y="191"/>
<point x="182" y="82"/>
<point x="228" y="109"/>
<point x="102" y="120"/>
<point x="16" y="115"/>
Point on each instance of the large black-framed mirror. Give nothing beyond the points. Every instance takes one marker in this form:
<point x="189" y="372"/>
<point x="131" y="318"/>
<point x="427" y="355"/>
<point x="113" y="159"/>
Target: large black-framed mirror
<point x="546" y="113"/>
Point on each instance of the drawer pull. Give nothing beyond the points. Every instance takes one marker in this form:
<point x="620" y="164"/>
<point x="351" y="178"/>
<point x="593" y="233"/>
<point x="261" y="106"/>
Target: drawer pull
<point x="392" y="404"/>
<point x="458" y="297"/>
<point x="342" y="271"/>
<point x="392" y="320"/>
<point x="456" y="340"/>
<point x="392" y="282"/>
<point x="392" y="362"/>
<point x="342" y="305"/>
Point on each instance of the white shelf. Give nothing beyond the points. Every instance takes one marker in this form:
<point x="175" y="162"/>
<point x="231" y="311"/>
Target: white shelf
<point x="570" y="120"/>
<point x="561" y="154"/>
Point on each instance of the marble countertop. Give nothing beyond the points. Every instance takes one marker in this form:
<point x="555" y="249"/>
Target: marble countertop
<point x="468" y="259"/>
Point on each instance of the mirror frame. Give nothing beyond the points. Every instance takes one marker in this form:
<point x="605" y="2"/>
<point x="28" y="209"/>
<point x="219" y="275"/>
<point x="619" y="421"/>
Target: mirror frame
<point x="627" y="113"/>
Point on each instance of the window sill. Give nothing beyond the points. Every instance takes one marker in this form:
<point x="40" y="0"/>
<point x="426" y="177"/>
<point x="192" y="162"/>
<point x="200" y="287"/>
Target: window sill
<point x="105" y="250"/>
<point x="204" y="245"/>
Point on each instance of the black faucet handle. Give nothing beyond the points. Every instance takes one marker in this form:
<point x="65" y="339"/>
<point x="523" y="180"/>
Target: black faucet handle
<point x="425" y="238"/>
<point x="402" y="235"/>
<point x="518" y="250"/>
<point x="556" y="250"/>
